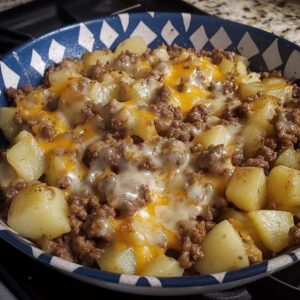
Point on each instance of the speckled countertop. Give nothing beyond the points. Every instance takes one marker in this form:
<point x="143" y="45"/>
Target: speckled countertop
<point x="282" y="17"/>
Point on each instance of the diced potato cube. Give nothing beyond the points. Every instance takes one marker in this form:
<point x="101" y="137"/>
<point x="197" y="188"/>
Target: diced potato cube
<point x="223" y="250"/>
<point x="22" y="135"/>
<point x="27" y="158"/>
<point x="253" y="136"/>
<point x="140" y="122"/>
<point x="241" y="221"/>
<point x="227" y="66"/>
<point x="263" y="111"/>
<point x="276" y="87"/>
<point x="7" y="174"/>
<point x="247" y="188"/>
<point x="284" y="186"/>
<point x="163" y="266"/>
<point x="251" y="77"/>
<point x="289" y="158"/>
<point x="118" y="259"/>
<point x="39" y="210"/>
<point x="98" y="56"/>
<point x="7" y="124"/>
<point x="57" y="168"/>
<point x="273" y="227"/>
<point x="72" y="104"/>
<point x="279" y="88"/>
<point x="101" y="93"/>
<point x="250" y="89"/>
<point x="60" y="77"/>
<point x="134" y="44"/>
<point x="242" y="64"/>
<point x="218" y="135"/>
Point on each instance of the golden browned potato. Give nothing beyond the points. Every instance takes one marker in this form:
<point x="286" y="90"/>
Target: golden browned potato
<point x="7" y="124"/>
<point x="27" y="158"/>
<point x="284" y="186"/>
<point x="223" y="250"/>
<point x="241" y="221"/>
<point x="163" y="266"/>
<point x="289" y="158"/>
<point x="97" y="56"/>
<point x="273" y="227"/>
<point x="247" y="188"/>
<point x="253" y="136"/>
<point x="134" y="44"/>
<point x="39" y="210"/>
<point x="118" y="259"/>
<point x="263" y="111"/>
<point x="218" y="135"/>
<point x="7" y="174"/>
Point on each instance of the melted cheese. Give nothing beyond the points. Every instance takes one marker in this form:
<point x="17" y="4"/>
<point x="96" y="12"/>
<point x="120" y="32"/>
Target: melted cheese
<point x="191" y="72"/>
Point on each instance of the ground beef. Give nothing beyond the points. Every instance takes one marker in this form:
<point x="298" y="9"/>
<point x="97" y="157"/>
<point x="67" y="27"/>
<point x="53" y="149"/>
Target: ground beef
<point x="287" y="127"/>
<point x="167" y="111"/>
<point x="88" y="218"/>
<point x="51" y="103"/>
<point x="147" y="163"/>
<point x="14" y="188"/>
<point x="198" y="113"/>
<point x="63" y="183"/>
<point x="179" y="130"/>
<point x="107" y="154"/>
<point x="13" y="93"/>
<point x="59" y="247"/>
<point x="9" y="194"/>
<point x="47" y="131"/>
<point x="263" y="158"/>
<point x="87" y="110"/>
<point x="86" y="251"/>
<point x="125" y="196"/>
<point x="196" y="148"/>
<point x="174" y="153"/>
<point x="218" y="54"/>
<point x="164" y="95"/>
<point x="236" y="110"/>
<point x="18" y="118"/>
<point x="174" y="51"/>
<point x="191" y="234"/>
<point x="212" y="159"/>
<point x="96" y="225"/>
<point x="294" y="234"/>
<point x="125" y="60"/>
<point x="296" y="91"/>
<point x="230" y="85"/>
<point x="96" y="71"/>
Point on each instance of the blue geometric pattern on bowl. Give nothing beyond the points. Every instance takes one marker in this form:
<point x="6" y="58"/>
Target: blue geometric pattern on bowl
<point x="28" y="63"/>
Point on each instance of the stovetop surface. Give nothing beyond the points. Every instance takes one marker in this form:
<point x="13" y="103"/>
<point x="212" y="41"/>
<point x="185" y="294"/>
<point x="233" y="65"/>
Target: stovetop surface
<point x="28" y="279"/>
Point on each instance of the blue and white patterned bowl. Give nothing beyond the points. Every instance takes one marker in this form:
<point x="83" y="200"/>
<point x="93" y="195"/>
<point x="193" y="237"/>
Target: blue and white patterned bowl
<point x="265" y="52"/>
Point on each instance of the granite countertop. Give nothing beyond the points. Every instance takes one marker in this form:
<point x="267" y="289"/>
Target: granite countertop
<point x="282" y="17"/>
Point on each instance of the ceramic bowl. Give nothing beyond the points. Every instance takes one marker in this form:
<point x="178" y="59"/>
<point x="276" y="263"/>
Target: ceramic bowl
<point x="265" y="51"/>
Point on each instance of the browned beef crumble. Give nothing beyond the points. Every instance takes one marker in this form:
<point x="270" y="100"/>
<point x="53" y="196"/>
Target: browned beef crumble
<point x="179" y="130"/>
<point x="294" y="234"/>
<point x="212" y="159"/>
<point x="191" y="234"/>
<point x="198" y="113"/>
<point x="47" y="130"/>
<point x="83" y="244"/>
<point x="124" y="204"/>
<point x="287" y="127"/>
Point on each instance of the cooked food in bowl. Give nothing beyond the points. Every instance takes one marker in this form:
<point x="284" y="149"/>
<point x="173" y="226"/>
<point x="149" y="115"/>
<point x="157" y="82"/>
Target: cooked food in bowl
<point x="163" y="162"/>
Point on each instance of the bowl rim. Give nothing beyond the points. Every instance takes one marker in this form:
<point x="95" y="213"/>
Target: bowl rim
<point x="263" y="268"/>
